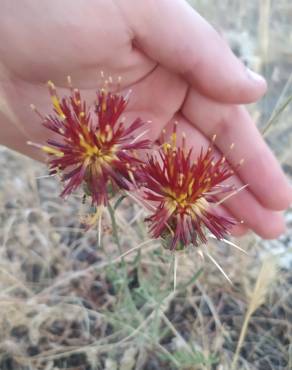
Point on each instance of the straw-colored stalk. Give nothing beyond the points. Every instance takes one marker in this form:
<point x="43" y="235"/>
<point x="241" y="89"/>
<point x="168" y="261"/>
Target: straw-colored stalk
<point x="266" y="277"/>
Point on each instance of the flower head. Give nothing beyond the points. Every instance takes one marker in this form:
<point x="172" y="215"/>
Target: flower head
<point x="184" y="191"/>
<point x="92" y="146"/>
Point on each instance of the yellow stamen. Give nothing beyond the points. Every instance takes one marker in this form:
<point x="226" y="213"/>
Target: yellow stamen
<point x="50" y="150"/>
<point x="190" y="187"/>
<point x="90" y="150"/>
<point x="165" y="147"/>
<point x="199" y="206"/>
<point x="173" y="139"/>
<point x="55" y="100"/>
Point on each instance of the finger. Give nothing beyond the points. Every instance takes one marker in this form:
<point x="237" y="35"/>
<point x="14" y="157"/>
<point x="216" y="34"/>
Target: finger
<point x="175" y="35"/>
<point x="233" y="124"/>
<point x="240" y="231"/>
<point x="157" y="98"/>
<point x="243" y="206"/>
<point x="237" y="230"/>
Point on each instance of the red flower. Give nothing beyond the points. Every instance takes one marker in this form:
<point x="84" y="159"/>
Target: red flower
<point x="94" y="147"/>
<point x="184" y="191"/>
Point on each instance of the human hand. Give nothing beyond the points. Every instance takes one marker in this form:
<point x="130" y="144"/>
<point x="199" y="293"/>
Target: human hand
<point x="177" y="67"/>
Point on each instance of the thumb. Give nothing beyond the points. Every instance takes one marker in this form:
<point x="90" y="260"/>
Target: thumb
<point x="176" y="36"/>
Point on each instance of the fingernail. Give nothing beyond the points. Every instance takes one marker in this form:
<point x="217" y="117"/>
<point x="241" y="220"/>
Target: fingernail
<point x="255" y="76"/>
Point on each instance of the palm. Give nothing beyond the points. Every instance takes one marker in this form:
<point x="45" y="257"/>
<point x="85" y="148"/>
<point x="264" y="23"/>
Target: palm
<point x="157" y="93"/>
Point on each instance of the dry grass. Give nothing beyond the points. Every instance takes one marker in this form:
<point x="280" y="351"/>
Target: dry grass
<point x="68" y="301"/>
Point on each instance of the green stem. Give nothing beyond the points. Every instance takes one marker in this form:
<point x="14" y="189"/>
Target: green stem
<point x="115" y="228"/>
<point x="123" y="262"/>
<point x="117" y="241"/>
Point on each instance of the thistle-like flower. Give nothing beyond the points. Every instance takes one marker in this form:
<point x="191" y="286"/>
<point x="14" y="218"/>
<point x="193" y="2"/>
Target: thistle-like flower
<point x="184" y="191"/>
<point x="92" y="148"/>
